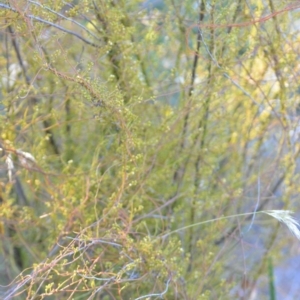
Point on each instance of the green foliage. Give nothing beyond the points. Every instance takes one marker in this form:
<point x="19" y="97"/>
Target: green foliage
<point x="126" y="128"/>
<point x="271" y="280"/>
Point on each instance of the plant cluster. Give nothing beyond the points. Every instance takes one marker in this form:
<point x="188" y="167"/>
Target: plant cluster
<point x="144" y="146"/>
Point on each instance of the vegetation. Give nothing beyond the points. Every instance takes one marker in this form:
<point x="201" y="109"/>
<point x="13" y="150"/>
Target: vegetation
<point x="145" y="148"/>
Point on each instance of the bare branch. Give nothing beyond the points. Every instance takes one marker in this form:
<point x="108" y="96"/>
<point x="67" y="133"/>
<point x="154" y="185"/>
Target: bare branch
<point x="38" y="19"/>
<point x="64" y="17"/>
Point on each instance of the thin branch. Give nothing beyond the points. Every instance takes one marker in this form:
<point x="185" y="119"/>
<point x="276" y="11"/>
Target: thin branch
<point x="156" y="294"/>
<point x="18" y="53"/>
<point x="28" y="83"/>
<point x="196" y="56"/>
<point x="259" y="208"/>
<point x="178" y="174"/>
<point x="248" y="23"/>
<point x="64" y="17"/>
<point x="38" y="19"/>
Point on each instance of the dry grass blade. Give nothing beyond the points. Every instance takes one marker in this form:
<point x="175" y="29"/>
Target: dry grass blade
<point x="284" y="216"/>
